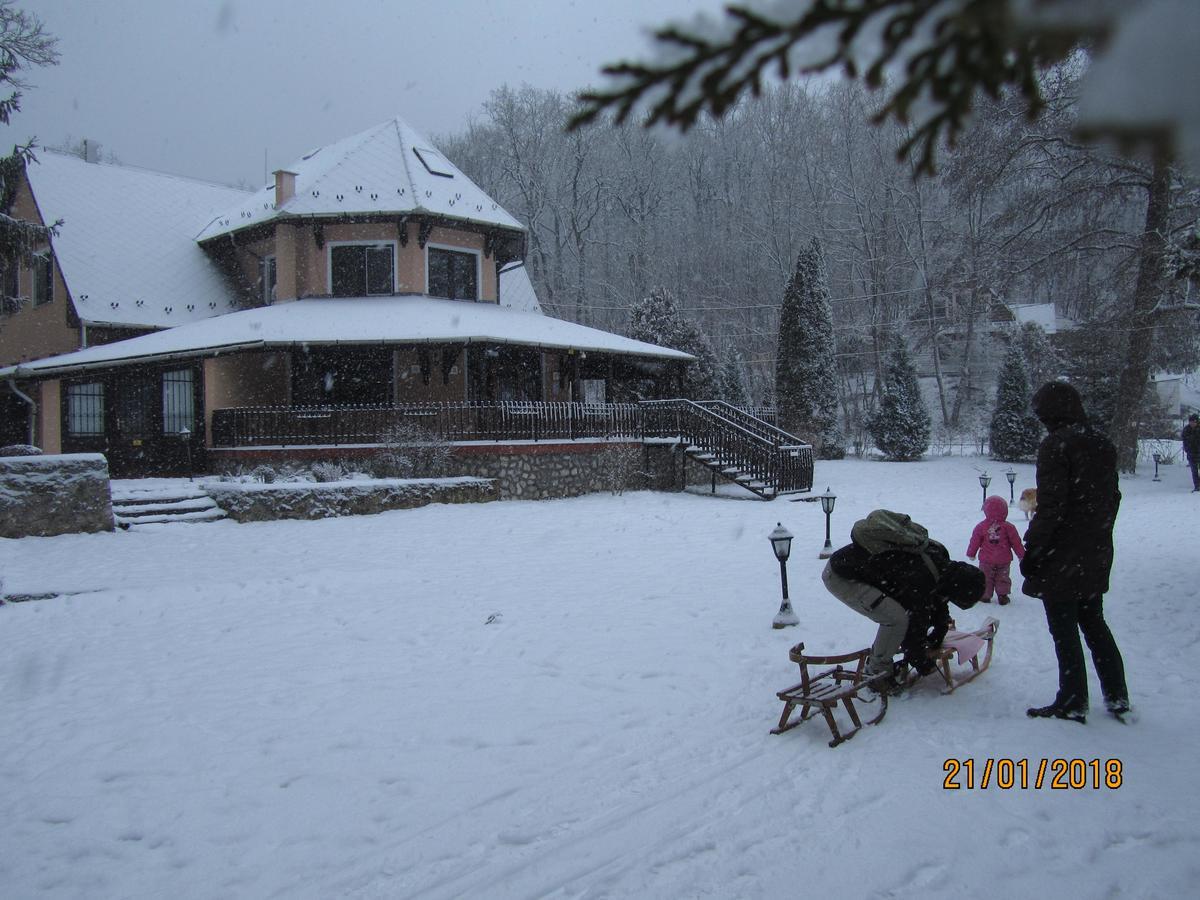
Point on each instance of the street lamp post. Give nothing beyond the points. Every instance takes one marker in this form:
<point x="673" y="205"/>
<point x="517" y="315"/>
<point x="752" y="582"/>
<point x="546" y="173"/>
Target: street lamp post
<point x="1157" y="460"/>
<point x="781" y="543"/>
<point x="1012" y="477"/>
<point x="827" y="500"/>
<point x="984" y="480"/>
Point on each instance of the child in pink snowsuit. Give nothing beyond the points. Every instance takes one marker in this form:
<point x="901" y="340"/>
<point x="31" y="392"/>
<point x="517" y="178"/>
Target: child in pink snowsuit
<point x="996" y="540"/>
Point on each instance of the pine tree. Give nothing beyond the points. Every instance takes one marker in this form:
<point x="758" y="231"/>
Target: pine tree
<point x="732" y="388"/>
<point x="656" y="320"/>
<point x="23" y="43"/>
<point x="1042" y="360"/>
<point x="900" y="426"/>
<point x="805" y="374"/>
<point x="1015" y="432"/>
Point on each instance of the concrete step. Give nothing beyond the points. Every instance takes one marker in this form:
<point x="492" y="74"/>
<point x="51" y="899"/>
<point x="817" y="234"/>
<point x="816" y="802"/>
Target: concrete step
<point x="203" y="515"/>
<point x="191" y="505"/>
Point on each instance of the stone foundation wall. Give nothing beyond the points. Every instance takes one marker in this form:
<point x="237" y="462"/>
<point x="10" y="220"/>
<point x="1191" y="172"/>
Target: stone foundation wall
<point x="294" y="500"/>
<point x="529" y="471"/>
<point x="48" y="495"/>
<point x="546" y="471"/>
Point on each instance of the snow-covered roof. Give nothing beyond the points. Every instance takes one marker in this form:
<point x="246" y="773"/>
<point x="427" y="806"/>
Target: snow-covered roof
<point x="516" y="290"/>
<point x="127" y="247"/>
<point x="389" y="169"/>
<point x="1043" y="314"/>
<point x="359" y="320"/>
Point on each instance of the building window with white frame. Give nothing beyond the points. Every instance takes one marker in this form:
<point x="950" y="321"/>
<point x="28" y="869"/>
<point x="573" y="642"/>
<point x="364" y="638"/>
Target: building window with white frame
<point x="43" y="278"/>
<point x="453" y="274"/>
<point x="178" y="403"/>
<point x="85" y="409"/>
<point x="360" y="270"/>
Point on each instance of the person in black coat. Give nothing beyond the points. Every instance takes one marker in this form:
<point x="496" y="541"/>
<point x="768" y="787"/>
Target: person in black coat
<point x="1069" y="551"/>
<point x="898" y="590"/>
<point x="1191" y="447"/>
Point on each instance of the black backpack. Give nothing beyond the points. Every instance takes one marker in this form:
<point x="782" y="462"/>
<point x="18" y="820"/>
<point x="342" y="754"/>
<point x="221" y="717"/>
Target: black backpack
<point x="883" y="530"/>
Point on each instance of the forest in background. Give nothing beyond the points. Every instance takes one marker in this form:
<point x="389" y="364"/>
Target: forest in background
<point x="1019" y="212"/>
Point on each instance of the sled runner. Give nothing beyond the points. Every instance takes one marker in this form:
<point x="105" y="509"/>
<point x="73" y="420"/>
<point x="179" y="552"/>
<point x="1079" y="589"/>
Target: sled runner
<point x="966" y="646"/>
<point x="827" y="690"/>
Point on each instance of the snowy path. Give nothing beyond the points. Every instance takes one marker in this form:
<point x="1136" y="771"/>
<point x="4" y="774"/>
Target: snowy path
<point x="319" y="709"/>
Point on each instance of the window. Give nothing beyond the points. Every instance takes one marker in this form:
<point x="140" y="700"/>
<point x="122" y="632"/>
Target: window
<point x="358" y="270"/>
<point x="43" y="279"/>
<point x="434" y="162"/>
<point x="85" y="409"/>
<point x="10" y="289"/>
<point x="453" y="274"/>
<point x="178" y="410"/>
<point x="267" y="278"/>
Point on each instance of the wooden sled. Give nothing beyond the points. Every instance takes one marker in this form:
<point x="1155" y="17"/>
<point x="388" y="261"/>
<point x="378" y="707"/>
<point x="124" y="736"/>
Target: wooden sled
<point x="825" y="691"/>
<point x="966" y="645"/>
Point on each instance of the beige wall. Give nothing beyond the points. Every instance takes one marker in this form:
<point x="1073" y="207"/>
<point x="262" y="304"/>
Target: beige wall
<point x="246" y="379"/>
<point x="49" y="416"/>
<point x="41" y="331"/>
<point x="303" y="267"/>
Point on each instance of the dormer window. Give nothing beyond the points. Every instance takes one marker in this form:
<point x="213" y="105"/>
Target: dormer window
<point x="453" y="274"/>
<point x="361" y="270"/>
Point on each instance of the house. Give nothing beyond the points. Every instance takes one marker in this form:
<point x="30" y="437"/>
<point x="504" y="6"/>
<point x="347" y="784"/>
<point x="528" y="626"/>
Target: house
<point x="371" y="274"/>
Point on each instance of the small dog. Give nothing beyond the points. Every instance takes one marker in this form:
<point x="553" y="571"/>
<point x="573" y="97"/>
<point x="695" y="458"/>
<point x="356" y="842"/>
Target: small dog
<point x="1028" y="502"/>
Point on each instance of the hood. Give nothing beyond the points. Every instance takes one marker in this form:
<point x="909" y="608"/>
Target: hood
<point x="962" y="584"/>
<point x="995" y="508"/>
<point x="1056" y="403"/>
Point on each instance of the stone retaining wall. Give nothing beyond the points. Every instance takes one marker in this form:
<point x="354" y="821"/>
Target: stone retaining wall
<point x="60" y="494"/>
<point x="529" y="470"/>
<point x="544" y="471"/>
<point x="306" y="500"/>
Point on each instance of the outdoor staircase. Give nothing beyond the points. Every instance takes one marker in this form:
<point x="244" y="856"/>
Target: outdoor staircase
<point x="152" y="506"/>
<point x="735" y="445"/>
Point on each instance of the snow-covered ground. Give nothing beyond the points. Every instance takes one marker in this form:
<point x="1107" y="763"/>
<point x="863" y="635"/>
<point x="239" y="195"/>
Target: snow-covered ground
<point x="565" y="699"/>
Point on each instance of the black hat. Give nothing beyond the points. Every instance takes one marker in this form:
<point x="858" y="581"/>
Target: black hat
<point x="1194" y="418"/>
<point x="1056" y="402"/>
<point x="961" y="584"/>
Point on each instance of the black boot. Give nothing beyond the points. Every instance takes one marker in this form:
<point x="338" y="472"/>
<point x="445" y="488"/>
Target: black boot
<point x="1057" y="712"/>
<point x="1120" y="711"/>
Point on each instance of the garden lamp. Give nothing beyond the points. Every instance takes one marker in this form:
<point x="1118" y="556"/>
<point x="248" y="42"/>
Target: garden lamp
<point x="781" y="543"/>
<point x="827" y="500"/>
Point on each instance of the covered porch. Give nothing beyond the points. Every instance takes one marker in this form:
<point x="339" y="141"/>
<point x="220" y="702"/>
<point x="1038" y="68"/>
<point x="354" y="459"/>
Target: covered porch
<point x="332" y="373"/>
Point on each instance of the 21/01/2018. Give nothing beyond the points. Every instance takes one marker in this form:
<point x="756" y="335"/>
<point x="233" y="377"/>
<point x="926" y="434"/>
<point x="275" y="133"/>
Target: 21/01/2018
<point x="1023" y="774"/>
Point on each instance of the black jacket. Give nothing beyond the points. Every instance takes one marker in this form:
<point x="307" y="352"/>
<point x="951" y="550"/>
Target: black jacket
<point x="1068" y="545"/>
<point x="1191" y="440"/>
<point x="905" y="578"/>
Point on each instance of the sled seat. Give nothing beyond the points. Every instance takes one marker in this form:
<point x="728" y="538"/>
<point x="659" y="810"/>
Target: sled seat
<point x="825" y="691"/>
<point x="966" y="646"/>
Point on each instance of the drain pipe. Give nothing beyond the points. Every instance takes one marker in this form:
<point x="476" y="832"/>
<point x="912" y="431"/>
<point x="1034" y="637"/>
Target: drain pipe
<point x="12" y="385"/>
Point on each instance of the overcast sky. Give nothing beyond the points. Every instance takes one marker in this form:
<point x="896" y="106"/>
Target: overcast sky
<point x="214" y="88"/>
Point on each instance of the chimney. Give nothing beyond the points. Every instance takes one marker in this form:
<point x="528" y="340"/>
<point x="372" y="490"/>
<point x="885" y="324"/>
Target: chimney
<point x="285" y="187"/>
